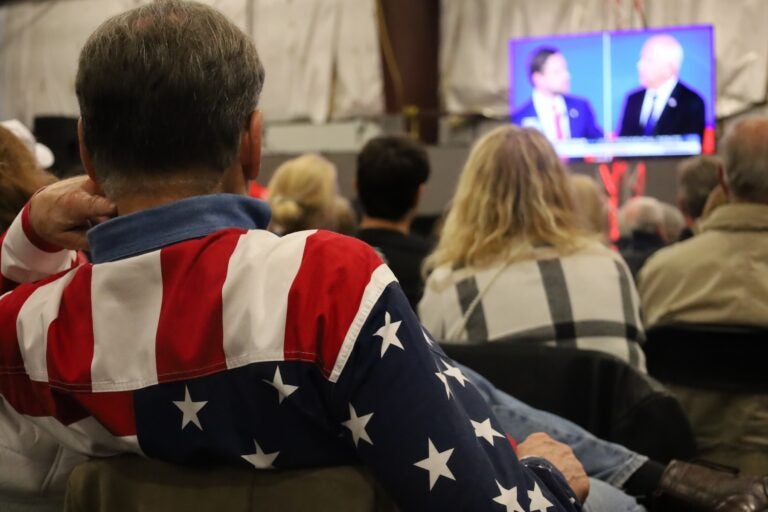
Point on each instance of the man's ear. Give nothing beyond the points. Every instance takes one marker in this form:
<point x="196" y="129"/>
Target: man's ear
<point x="85" y="156"/>
<point x="250" y="147"/>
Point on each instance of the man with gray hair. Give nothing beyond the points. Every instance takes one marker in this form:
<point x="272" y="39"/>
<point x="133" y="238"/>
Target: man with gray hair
<point x="700" y="280"/>
<point x="720" y="276"/>
<point x="641" y="226"/>
<point x="663" y="105"/>
<point x="197" y="337"/>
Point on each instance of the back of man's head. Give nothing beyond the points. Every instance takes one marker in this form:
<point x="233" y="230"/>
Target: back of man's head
<point x="390" y="170"/>
<point x="166" y="88"/>
<point x="643" y="214"/>
<point x="746" y="160"/>
<point x="697" y="177"/>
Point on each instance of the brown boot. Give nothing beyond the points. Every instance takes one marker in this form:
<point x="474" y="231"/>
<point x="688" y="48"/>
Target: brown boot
<point x="708" y="487"/>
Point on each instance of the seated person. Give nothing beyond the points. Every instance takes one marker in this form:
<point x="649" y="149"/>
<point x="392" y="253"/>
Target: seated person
<point x="696" y="179"/>
<point x="551" y="109"/>
<point x="719" y="277"/>
<point x="513" y="263"/>
<point x="198" y="337"/>
<point x="302" y="194"/>
<point x="641" y="226"/>
<point x="392" y="172"/>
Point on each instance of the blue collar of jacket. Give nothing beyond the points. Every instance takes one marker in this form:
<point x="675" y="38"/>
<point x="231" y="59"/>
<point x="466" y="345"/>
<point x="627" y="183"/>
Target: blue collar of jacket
<point x="194" y="217"/>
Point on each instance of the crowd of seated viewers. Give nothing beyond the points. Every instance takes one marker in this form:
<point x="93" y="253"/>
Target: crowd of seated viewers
<point x="524" y="255"/>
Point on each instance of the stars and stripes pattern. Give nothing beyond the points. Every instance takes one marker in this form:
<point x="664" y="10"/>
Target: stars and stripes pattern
<point x="244" y="348"/>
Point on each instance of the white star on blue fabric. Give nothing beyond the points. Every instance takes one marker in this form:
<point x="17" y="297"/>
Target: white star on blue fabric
<point x="388" y="334"/>
<point x="261" y="460"/>
<point x="455" y="372"/>
<point x="426" y="337"/>
<point x="189" y="410"/>
<point x="508" y="498"/>
<point x="356" y="424"/>
<point x="485" y="431"/>
<point x="283" y="390"/>
<point x="538" y="502"/>
<point x="436" y="464"/>
<point x="444" y="380"/>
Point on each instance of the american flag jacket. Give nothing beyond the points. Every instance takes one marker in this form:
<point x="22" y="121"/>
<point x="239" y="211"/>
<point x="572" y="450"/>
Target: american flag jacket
<point x="198" y="337"/>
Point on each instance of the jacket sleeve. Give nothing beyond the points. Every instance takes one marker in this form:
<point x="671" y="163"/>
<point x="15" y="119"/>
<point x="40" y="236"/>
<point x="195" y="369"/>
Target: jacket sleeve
<point x="25" y="257"/>
<point x="422" y="427"/>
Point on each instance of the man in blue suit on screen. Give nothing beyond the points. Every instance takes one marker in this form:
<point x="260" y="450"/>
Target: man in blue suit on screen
<point x="551" y="109"/>
<point x="663" y="105"/>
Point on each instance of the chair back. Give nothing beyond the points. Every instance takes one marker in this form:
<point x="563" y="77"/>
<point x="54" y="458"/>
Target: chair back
<point x="595" y="390"/>
<point x="728" y="358"/>
<point x="129" y="483"/>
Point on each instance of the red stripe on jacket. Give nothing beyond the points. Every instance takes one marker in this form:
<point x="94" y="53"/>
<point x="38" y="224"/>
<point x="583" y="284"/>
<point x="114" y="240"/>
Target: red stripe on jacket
<point x="190" y="332"/>
<point x="325" y="296"/>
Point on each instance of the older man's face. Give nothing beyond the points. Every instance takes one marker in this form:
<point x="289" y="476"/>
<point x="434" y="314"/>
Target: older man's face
<point x="654" y="67"/>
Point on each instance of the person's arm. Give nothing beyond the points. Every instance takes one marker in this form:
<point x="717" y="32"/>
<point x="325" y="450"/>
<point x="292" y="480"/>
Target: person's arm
<point x="44" y="237"/>
<point x="425" y="431"/>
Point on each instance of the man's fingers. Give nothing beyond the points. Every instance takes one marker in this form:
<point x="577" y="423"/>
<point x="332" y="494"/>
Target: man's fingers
<point x="91" y="206"/>
<point x="75" y="240"/>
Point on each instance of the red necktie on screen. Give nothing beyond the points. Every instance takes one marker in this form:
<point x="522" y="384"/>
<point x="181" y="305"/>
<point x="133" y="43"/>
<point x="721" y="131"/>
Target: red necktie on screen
<point x="558" y="128"/>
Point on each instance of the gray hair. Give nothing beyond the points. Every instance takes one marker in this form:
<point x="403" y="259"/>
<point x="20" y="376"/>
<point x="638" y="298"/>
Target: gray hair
<point x="696" y="178"/>
<point x="643" y="214"/>
<point x="165" y="92"/>
<point x="746" y="159"/>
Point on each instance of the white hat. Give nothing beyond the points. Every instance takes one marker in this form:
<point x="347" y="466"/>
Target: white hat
<point x="43" y="155"/>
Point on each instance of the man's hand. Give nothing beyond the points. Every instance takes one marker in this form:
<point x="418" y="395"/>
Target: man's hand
<point x="561" y="456"/>
<point x="61" y="213"/>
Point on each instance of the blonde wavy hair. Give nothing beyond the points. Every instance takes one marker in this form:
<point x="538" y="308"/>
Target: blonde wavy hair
<point x="302" y="194"/>
<point x="513" y="195"/>
<point x="20" y="176"/>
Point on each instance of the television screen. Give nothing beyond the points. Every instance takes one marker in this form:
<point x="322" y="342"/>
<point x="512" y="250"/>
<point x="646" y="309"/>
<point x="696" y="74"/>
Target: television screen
<point x="617" y="94"/>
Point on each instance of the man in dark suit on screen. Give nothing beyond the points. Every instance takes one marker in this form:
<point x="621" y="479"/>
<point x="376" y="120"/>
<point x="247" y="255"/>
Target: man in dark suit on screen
<point x="663" y="105"/>
<point x="551" y="109"/>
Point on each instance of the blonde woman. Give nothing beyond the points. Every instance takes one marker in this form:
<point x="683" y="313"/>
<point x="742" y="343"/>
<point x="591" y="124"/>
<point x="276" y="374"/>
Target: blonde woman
<point x="513" y="262"/>
<point x="303" y="195"/>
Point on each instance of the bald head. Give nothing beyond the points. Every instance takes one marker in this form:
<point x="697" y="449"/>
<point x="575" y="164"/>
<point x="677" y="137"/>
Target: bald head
<point x="745" y="151"/>
<point x="660" y="60"/>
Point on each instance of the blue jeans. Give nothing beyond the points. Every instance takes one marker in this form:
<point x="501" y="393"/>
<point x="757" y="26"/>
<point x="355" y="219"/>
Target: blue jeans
<point x="604" y="462"/>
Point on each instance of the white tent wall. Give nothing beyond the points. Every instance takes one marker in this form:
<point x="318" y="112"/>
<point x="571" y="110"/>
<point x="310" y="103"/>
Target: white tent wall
<point x="475" y="34"/>
<point x="318" y="54"/>
<point x="38" y="54"/>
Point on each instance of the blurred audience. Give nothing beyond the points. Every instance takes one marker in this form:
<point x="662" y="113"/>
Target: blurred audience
<point x="642" y="231"/>
<point x="591" y="205"/>
<point x="696" y="178"/>
<point x="391" y="175"/>
<point x="21" y="173"/>
<point x="514" y="263"/>
<point x="302" y="194"/>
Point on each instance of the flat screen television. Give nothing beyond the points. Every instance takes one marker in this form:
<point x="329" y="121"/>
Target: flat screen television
<point x="627" y="94"/>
